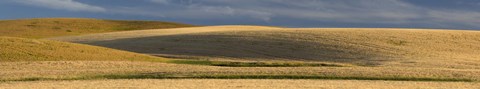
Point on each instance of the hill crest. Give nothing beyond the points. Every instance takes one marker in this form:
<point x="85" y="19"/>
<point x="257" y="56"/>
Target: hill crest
<point x="54" y="27"/>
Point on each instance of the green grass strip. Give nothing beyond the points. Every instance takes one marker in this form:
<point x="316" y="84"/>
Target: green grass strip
<point x="254" y="64"/>
<point x="282" y="77"/>
<point x="140" y="76"/>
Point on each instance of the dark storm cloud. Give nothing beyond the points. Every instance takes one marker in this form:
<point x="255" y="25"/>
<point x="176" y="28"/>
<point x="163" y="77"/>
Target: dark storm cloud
<point x="296" y="13"/>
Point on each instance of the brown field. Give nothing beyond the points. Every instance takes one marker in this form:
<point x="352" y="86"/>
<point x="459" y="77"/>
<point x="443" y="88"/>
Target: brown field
<point x="52" y="27"/>
<point x="238" y="84"/>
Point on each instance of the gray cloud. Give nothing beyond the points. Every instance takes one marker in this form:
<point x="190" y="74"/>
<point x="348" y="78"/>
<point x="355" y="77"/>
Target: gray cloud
<point x="371" y="12"/>
<point x="70" y="5"/>
<point x="160" y="1"/>
<point x="456" y="16"/>
<point x="348" y="11"/>
<point x="381" y="11"/>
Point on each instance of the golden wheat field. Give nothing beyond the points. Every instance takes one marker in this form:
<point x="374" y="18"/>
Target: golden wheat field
<point x="236" y="56"/>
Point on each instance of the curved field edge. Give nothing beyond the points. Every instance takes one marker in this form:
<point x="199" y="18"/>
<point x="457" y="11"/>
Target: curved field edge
<point x="54" y="27"/>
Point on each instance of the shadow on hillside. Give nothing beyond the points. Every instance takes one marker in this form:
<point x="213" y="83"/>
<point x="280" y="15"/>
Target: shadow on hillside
<point x="241" y="47"/>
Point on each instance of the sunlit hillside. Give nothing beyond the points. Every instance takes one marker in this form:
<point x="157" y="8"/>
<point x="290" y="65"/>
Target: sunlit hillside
<point x="51" y="27"/>
<point x="21" y="49"/>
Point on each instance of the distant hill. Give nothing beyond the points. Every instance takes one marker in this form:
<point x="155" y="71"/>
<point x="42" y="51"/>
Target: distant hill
<point x="362" y="46"/>
<point x="22" y="49"/>
<point x="53" y="27"/>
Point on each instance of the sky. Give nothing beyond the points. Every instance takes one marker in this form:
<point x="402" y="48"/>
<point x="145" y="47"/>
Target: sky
<point x="438" y="14"/>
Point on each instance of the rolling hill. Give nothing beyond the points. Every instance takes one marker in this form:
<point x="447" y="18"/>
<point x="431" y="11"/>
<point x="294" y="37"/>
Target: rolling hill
<point x="360" y="46"/>
<point x="21" y="49"/>
<point x="41" y="60"/>
<point x="52" y="27"/>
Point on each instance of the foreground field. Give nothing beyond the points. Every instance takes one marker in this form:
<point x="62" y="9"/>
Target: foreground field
<point x="238" y="84"/>
<point x="52" y="27"/>
<point x="85" y="70"/>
